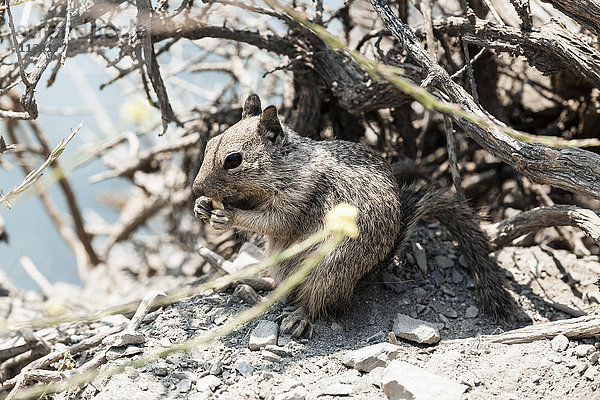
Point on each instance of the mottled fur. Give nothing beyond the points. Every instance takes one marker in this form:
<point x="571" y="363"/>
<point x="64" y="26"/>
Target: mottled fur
<point x="287" y="183"/>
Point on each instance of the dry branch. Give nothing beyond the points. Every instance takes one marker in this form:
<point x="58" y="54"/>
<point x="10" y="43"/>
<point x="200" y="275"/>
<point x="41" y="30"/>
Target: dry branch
<point x="574" y="170"/>
<point x="586" y="12"/>
<point x="582" y="327"/>
<point x="504" y="232"/>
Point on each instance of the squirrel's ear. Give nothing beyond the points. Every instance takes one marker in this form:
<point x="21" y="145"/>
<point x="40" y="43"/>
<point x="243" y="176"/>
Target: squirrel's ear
<point x="251" y="106"/>
<point x="269" y="125"/>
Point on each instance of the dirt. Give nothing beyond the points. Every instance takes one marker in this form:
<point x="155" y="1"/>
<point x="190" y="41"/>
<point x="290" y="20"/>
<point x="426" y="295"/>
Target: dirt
<point x="545" y="280"/>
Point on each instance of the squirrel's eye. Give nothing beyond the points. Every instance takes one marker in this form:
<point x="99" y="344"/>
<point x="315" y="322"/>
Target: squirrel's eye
<point x="232" y="161"/>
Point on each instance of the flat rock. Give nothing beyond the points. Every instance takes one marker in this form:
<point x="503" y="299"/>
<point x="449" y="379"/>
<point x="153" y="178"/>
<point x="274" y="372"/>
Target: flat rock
<point x="279" y="350"/>
<point x="117" y="352"/>
<point x="471" y="312"/>
<point x="583" y="350"/>
<point x="264" y="334"/>
<point x="370" y="357"/>
<point x="161" y="368"/>
<point x="208" y="382"/>
<point x="296" y="393"/>
<point x="124" y="338"/>
<point x="420" y="257"/>
<point x="415" y="330"/>
<point x="184" y="385"/>
<point x="443" y="262"/>
<point x="559" y="343"/>
<point x="336" y="389"/>
<point x="243" y="367"/>
<point x="402" y="380"/>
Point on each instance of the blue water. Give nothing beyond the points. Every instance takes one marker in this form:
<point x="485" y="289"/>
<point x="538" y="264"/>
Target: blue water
<point x="31" y="232"/>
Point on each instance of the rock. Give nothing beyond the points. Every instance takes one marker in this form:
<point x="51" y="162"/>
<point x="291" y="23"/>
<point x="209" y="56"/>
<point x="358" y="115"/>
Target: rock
<point x="450" y="313"/>
<point x="443" y="262"/>
<point x="267" y="355"/>
<point x="415" y="330"/>
<point x="370" y="357"/>
<point x="117" y="352"/>
<point x="420" y="257"/>
<point x="377" y="337"/>
<point x="591" y="373"/>
<point x="336" y="389"/>
<point x="375" y="376"/>
<point x="457" y="277"/>
<point x="216" y="368"/>
<point x="184" y="385"/>
<point x="559" y="343"/>
<point x="471" y="312"/>
<point x="297" y="393"/>
<point x="280" y="351"/>
<point x="243" y="367"/>
<point x="264" y="334"/>
<point x="583" y="350"/>
<point x="594" y="357"/>
<point x="337" y="328"/>
<point x="165" y="342"/>
<point x="161" y="368"/>
<point x="402" y="380"/>
<point x="208" y="382"/>
<point x="124" y="338"/>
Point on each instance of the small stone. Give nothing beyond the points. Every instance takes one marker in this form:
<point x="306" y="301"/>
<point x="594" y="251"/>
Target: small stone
<point x="449" y="291"/>
<point x="457" y="277"/>
<point x="594" y="357"/>
<point x="337" y="389"/>
<point x="208" y="382"/>
<point x="297" y="393"/>
<point x="337" y="328"/>
<point x="581" y="367"/>
<point x="555" y="358"/>
<point x="451" y="313"/>
<point x="590" y="373"/>
<point x="124" y="338"/>
<point x="559" y="343"/>
<point x="160" y="368"/>
<point x="377" y="337"/>
<point x="402" y="380"/>
<point x="267" y="355"/>
<point x="280" y="351"/>
<point x="471" y="312"/>
<point x="375" y="376"/>
<point x="184" y="385"/>
<point x="437" y="277"/>
<point x="583" y="350"/>
<point x="165" y="342"/>
<point x="216" y="368"/>
<point x="535" y="378"/>
<point x="117" y="352"/>
<point x="264" y="334"/>
<point x="243" y="367"/>
<point x="443" y="262"/>
<point x="420" y="257"/>
<point x="370" y="357"/>
<point x="415" y="330"/>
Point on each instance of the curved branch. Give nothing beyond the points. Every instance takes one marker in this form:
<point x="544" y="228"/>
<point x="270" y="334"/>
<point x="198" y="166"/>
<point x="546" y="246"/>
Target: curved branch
<point x="571" y="169"/>
<point x="504" y="232"/>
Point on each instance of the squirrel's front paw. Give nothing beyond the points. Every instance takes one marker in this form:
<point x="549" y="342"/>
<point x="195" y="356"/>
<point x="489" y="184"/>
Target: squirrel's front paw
<point x="203" y="208"/>
<point x="221" y="219"/>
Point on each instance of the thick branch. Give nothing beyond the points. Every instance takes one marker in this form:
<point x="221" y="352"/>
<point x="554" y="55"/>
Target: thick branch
<point x="504" y="232"/>
<point x="586" y="12"/>
<point x="571" y="169"/>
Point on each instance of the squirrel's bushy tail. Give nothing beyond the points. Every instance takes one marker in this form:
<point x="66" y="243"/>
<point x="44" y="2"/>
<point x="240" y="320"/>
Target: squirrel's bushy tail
<point x="463" y="224"/>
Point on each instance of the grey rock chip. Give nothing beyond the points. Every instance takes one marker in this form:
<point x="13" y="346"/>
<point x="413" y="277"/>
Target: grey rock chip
<point x="415" y="330"/>
<point x="583" y="350"/>
<point x="336" y="389"/>
<point x="594" y="357"/>
<point x="264" y="334"/>
<point x="471" y="312"/>
<point x="243" y="367"/>
<point x="375" y="376"/>
<point x="443" y="262"/>
<point x="208" y="382"/>
<point x="591" y="373"/>
<point x="296" y="393"/>
<point x="559" y="343"/>
<point x="370" y="357"/>
<point x="402" y="380"/>
<point x="269" y="356"/>
<point x="124" y="338"/>
<point x="161" y="368"/>
<point x="280" y="351"/>
<point x="118" y="352"/>
<point x="184" y="385"/>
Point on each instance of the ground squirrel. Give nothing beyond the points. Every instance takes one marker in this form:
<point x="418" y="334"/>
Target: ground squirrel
<point x="280" y="184"/>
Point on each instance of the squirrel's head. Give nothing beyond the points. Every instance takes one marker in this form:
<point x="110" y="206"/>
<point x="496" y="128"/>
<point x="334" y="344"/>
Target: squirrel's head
<point x="238" y="163"/>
